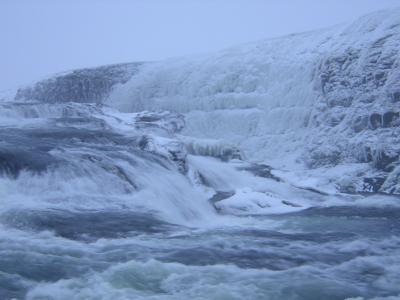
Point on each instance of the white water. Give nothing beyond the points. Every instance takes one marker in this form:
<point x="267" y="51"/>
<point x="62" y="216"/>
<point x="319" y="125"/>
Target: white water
<point x="98" y="203"/>
<point x="85" y="219"/>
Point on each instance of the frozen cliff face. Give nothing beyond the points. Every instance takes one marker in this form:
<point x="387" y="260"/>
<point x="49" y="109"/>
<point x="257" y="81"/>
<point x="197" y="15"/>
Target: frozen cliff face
<point x="311" y="100"/>
<point x="356" y="114"/>
<point x="84" y="85"/>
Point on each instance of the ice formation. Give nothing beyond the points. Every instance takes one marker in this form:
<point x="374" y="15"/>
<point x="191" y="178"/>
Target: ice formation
<point x="253" y="173"/>
<point x="311" y="100"/>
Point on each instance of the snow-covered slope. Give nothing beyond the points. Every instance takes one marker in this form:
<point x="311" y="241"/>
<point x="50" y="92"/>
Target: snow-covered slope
<point x="312" y="100"/>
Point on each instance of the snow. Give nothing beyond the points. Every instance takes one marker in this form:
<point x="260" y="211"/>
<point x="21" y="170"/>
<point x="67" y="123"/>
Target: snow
<point x="253" y="91"/>
<point x="301" y="103"/>
<point x="303" y="100"/>
<point x="210" y="151"/>
<point x="325" y="179"/>
<point x="248" y="202"/>
<point x="310" y="100"/>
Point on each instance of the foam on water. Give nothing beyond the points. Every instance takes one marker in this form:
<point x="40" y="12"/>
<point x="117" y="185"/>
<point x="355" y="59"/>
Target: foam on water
<point x="128" y="202"/>
<point x="308" y="261"/>
<point x="92" y="210"/>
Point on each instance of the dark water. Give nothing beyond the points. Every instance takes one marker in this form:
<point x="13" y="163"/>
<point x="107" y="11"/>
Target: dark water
<point x="333" y="253"/>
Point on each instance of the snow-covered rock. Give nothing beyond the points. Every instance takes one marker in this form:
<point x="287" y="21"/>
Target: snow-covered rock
<point x="248" y="202"/>
<point x="167" y="121"/>
<point x="172" y="149"/>
<point x="83" y="85"/>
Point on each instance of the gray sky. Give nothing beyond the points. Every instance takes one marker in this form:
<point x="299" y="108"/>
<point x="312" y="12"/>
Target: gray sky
<point x="41" y="37"/>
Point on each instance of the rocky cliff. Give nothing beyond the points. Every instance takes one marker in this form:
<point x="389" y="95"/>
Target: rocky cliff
<point x="89" y="85"/>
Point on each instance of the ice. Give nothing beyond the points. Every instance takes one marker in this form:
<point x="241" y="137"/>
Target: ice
<point x="248" y="202"/>
<point x="302" y="96"/>
<point x="263" y="171"/>
<point x="315" y="99"/>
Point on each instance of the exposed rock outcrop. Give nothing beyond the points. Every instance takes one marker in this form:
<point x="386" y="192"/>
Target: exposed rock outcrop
<point x="84" y="85"/>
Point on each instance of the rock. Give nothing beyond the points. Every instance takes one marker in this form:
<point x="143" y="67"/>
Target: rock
<point x="384" y="160"/>
<point x="360" y="123"/>
<point x="327" y="156"/>
<point x="219" y="196"/>
<point x="171" y="149"/>
<point x="373" y="185"/>
<point x="261" y="170"/>
<point x="392" y="182"/>
<point x="375" y="121"/>
<point x="389" y="119"/>
<point x="91" y="85"/>
<point x="167" y="121"/>
<point x="248" y="202"/>
<point x="386" y="120"/>
<point x="395" y="96"/>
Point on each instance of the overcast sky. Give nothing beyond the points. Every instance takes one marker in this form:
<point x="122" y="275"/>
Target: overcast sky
<point x="42" y="37"/>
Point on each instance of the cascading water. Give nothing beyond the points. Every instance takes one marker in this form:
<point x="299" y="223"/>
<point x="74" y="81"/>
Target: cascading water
<point x="172" y="198"/>
<point x="97" y="204"/>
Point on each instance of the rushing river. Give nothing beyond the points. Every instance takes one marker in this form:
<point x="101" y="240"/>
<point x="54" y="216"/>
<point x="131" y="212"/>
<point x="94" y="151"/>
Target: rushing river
<point x="330" y="253"/>
<point x="90" y="212"/>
